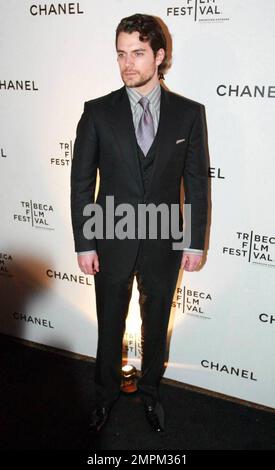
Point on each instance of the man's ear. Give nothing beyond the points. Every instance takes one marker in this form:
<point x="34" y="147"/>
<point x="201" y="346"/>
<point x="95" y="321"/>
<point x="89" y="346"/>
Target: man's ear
<point x="160" y="56"/>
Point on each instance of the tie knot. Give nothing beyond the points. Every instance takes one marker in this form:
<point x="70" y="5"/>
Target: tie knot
<point x="144" y="102"/>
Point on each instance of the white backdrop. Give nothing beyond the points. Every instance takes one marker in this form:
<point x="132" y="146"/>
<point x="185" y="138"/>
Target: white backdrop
<point x="55" y="56"/>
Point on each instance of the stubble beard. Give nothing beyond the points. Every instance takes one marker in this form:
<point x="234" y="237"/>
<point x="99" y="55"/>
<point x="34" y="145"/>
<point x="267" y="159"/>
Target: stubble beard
<point x="137" y="82"/>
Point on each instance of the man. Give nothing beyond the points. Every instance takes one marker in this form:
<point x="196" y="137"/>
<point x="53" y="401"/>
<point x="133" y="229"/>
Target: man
<point x="142" y="139"/>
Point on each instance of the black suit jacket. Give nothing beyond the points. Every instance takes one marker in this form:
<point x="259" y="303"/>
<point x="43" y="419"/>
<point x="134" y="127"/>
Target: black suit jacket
<point x="106" y="141"/>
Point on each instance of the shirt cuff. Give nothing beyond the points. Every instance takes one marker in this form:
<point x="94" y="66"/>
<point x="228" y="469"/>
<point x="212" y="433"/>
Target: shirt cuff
<point x="193" y="250"/>
<point x="89" y="252"/>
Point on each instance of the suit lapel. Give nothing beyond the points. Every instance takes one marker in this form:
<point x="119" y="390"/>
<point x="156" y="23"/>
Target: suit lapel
<point x="168" y="130"/>
<point x="122" y="123"/>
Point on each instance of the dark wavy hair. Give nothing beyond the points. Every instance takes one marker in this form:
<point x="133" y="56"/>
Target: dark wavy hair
<point x="150" y="30"/>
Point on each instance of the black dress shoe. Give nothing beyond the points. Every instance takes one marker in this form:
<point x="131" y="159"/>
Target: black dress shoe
<point x="155" y="416"/>
<point x="99" y="417"/>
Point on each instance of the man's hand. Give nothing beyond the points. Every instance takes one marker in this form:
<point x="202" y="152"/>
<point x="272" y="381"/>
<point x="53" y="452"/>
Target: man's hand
<point x="89" y="264"/>
<point x="191" y="261"/>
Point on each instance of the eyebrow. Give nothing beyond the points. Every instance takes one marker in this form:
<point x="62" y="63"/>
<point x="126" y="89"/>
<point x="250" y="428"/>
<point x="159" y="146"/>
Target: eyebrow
<point x="135" y="50"/>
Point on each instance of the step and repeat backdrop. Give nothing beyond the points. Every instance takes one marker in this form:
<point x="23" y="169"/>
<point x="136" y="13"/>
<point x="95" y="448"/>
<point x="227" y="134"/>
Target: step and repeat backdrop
<point x="55" y="56"/>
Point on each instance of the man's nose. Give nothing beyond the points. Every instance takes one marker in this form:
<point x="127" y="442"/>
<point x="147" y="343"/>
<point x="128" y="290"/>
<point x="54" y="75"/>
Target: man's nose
<point x="128" y="61"/>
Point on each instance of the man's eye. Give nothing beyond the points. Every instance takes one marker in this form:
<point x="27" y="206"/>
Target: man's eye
<point x="139" y="53"/>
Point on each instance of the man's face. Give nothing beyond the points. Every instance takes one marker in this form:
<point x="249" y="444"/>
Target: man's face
<point x="136" y="60"/>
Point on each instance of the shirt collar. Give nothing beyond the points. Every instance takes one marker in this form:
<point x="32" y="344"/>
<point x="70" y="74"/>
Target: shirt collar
<point x="153" y="96"/>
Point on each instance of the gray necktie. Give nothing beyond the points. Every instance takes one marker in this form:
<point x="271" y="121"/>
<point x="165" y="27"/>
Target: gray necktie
<point x="145" y="132"/>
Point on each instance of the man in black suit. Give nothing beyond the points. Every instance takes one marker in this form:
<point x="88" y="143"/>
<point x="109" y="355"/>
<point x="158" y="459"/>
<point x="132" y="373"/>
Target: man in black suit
<point x="142" y="139"/>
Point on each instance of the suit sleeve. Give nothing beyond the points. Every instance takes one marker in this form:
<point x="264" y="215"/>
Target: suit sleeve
<point x="83" y="177"/>
<point x="195" y="180"/>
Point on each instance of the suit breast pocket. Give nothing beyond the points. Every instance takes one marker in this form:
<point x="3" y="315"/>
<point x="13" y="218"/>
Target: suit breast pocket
<point x="180" y="145"/>
<point x="179" y="150"/>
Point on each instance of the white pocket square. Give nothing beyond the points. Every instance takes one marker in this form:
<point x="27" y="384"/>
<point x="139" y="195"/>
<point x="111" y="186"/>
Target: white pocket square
<point x="179" y="141"/>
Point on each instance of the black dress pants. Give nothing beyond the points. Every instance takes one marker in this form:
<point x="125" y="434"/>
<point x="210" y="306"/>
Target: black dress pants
<point x="113" y="294"/>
